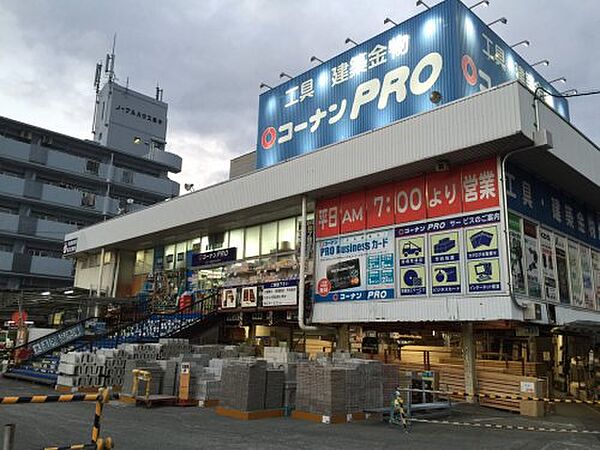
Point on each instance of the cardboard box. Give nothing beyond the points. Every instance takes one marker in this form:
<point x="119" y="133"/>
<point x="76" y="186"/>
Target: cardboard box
<point x="532" y="408"/>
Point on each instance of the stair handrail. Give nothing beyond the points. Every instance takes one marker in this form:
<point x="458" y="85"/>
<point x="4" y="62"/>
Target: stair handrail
<point x="180" y="310"/>
<point x="29" y="345"/>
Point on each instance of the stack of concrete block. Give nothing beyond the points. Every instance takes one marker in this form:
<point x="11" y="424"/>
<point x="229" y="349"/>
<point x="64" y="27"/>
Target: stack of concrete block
<point x="112" y="366"/>
<point x="204" y="383"/>
<point x="230" y="351"/>
<point x="79" y="369"/>
<point x="274" y="389"/>
<point x="170" y="347"/>
<point x="243" y="384"/>
<point x="280" y="356"/>
<point x="212" y="350"/>
<point x="144" y="352"/>
<point x="169" y="374"/>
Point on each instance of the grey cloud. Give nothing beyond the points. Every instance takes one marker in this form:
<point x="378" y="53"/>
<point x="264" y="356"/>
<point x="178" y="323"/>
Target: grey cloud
<point x="210" y="57"/>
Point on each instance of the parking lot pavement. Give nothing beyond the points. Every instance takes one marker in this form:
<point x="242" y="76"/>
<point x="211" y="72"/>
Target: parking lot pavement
<point x="135" y="428"/>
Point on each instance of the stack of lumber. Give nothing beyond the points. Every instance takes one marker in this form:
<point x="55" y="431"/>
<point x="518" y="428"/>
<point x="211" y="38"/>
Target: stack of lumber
<point x="494" y="377"/>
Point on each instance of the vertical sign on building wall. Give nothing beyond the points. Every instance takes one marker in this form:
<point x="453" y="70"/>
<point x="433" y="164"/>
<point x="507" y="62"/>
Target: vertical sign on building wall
<point x="596" y="271"/>
<point x="532" y="259"/>
<point x="562" y="269"/>
<point x="575" y="280"/>
<point x="548" y="265"/>
<point x="517" y="264"/>
<point x="589" y="300"/>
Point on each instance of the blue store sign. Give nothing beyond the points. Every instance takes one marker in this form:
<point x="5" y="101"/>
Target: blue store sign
<point x="539" y="201"/>
<point x="446" y="49"/>
<point x="214" y="257"/>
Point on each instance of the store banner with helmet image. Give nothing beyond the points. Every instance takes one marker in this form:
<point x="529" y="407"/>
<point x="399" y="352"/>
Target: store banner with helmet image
<point x="355" y="267"/>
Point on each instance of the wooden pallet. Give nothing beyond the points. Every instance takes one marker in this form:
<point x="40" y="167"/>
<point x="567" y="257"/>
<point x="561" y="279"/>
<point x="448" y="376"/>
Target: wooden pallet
<point x="209" y="403"/>
<point x="332" y="419"/>
<point x="156" y="400"/>
<point x="248" y="415"/>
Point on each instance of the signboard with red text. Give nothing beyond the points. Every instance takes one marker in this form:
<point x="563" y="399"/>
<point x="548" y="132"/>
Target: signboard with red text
<point x="430" y="217"/>
<point x="472" y="187"/>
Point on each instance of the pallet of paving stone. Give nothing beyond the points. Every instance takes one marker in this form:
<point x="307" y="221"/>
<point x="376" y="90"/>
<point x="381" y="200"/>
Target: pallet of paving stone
<point x="243" y="384"/>
<point x="152" y="401"/>
<point x="274" y="389"/>
<point x="248" y="415"/>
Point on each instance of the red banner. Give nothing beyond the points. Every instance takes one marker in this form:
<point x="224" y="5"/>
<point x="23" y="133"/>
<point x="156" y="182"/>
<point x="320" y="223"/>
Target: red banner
<point x="444" y="195"/>
<point x="468" y="188"/>
<point x="480" y="185"/>
<point x="352" y="212"/>
<point x="328" y="223"/>
<point x="410" y="204"/>
<point x="380" y="203"/>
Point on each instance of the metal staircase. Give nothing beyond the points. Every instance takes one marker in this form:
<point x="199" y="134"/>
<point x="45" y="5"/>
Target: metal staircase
<point x="39" y="362"/>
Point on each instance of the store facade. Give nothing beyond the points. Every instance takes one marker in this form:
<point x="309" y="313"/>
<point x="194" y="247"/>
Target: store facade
<point x="463" y="208"/>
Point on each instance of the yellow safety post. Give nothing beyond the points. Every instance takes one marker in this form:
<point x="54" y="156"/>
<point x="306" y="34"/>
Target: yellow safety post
<point x="103" y="397"/>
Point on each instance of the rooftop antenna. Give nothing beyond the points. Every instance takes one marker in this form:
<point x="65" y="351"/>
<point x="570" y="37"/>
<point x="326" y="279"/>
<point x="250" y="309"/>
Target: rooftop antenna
<point x="159" y="92"/>
<point x="98" y="76"/>
<point x="110" y="61"/>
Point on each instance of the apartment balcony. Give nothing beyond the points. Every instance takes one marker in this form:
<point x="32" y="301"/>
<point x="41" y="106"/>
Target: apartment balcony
<point x="78" y="199"/>
<point x="9" y="223"/>
<point x="55" y="267"/>
<point x="162" y="186"/>
<point x="167" y="159"/>
<point x="12" y="149"/>
<point x="13" y="186"/>
<point x="53" y="230"/>
<point x="6" y="261"/>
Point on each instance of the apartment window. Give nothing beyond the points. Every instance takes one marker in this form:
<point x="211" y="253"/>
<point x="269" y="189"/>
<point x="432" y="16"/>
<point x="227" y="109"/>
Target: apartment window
<point x="88" y="199"/>
<point x="92" y="166"/>
<point x="5" y="247"/>
<point x="11" y="173"/>
<point x="7" y="210"/>
<point x="43" y="252"/>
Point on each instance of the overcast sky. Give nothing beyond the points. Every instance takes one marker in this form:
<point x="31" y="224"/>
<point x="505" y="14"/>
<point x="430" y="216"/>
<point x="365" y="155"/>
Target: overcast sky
<point x="211" y="55"/>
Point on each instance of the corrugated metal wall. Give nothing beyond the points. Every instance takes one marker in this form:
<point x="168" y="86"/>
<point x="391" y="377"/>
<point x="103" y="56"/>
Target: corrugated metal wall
<point x="486" y="117"/>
